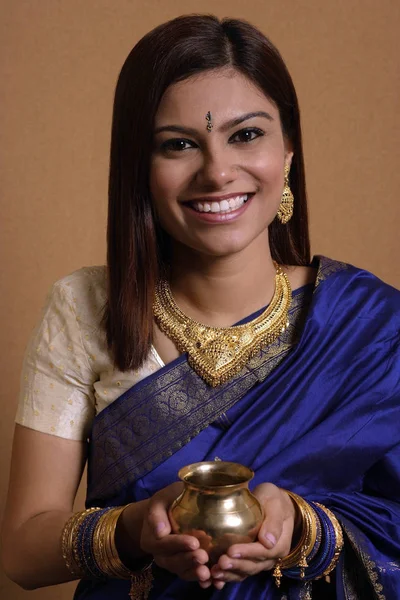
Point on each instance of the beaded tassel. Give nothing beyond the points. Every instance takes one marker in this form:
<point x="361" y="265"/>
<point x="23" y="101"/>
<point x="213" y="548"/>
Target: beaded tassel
<point x="277" y="574"/>
<point x="141" y="585"/>
<point x="303" y="562"/>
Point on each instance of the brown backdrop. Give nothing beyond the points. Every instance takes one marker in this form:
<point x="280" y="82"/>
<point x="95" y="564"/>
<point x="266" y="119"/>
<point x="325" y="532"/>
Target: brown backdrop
<point x="59" y="64"/>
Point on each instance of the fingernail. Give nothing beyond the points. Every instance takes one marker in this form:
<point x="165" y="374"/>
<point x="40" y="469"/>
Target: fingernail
<point x="271" y="539"/>
<point x="236" y="556"/>
<point x="160" y="527"/>
<point x="196" y="561"/>
<point x="228" y="566"/>
<point x="218" y="575"/>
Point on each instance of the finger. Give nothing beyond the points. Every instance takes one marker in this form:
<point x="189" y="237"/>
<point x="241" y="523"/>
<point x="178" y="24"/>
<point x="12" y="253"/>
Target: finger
<point x="205" y="584"/>
<point x="182" y="561"/>
<point x="226" y="576"/>
<point x="254" y="551"/>
<point x="200" y="574"/>
<point x="157" y="514"/>
<point x="238" y="570"/>
<point x="170" y="545"/>
<point x="244" y="568"/>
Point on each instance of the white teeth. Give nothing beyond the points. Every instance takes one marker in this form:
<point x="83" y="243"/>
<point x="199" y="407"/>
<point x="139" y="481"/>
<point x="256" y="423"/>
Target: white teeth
<point x="223" y="206"/>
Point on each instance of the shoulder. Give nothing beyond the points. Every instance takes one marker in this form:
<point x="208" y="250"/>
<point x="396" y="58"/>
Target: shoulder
<point x="80" y="296"/>
<point x="300" y="276"/>
<point x="86" y="287"/>
<point x="84" y="279"/>
<point x="347" y="284"/>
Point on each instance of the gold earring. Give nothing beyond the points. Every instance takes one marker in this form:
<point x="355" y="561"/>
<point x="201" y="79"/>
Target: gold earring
<point x="285" y="211"/>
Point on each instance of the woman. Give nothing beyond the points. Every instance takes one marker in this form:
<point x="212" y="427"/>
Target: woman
<point x="202" y="215"/>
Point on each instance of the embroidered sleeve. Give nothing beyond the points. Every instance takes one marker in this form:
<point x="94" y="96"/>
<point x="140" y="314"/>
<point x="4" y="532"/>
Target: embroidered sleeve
<point x="57" y="395"/>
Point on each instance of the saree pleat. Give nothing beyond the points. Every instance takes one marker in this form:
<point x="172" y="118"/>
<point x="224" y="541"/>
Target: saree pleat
<point x="317" y="413"/>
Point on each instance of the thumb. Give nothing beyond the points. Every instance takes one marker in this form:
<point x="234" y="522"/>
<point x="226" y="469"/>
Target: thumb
<point x="271" y="529"/>
<point x="157" y="515"/>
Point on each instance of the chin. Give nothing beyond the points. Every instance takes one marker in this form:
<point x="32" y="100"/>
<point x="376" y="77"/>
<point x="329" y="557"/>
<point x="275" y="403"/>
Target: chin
<point x="222" y="247"/>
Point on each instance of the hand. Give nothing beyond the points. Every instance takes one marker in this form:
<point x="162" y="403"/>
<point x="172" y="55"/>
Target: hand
<point x="179" y="554"/>
<point x="274" y="540"/>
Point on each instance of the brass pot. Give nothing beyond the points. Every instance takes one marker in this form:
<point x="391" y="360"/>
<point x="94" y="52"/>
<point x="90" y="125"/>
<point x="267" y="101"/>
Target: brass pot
<point x="216" y="506"/>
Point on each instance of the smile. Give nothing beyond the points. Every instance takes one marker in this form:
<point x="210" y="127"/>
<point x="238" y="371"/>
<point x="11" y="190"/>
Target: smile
<point x="223" y="206"/>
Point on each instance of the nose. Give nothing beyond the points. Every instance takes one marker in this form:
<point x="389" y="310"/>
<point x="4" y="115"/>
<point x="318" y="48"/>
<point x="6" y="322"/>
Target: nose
<point x="217" y="170"/>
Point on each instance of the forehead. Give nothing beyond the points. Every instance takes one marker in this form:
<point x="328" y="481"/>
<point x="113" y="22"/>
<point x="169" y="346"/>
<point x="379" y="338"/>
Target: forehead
<point x="226" y="93"/>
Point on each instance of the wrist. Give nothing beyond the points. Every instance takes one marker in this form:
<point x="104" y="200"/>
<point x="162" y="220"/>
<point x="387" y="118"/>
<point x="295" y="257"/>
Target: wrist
<point x="297" y="519"/>
<point x="317" y="550"/>
<point x="128" y="533"/>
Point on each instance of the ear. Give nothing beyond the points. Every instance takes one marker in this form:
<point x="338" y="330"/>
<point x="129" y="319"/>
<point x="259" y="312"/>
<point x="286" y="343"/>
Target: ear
<point x="288" y="156"/>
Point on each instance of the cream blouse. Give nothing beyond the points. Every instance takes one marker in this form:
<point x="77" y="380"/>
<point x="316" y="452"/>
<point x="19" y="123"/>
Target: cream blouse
<point x="68" y="376"/>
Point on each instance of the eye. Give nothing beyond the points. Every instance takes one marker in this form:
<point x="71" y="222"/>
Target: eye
<point x="246" y="135"/>
<point x="176" y="145"/>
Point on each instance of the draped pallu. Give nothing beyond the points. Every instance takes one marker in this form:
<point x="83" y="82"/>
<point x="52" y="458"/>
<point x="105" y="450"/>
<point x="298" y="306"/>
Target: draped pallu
<point x="317" y="412"/>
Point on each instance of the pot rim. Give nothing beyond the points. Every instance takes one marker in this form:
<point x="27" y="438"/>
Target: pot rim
<point x="225" y="467"/>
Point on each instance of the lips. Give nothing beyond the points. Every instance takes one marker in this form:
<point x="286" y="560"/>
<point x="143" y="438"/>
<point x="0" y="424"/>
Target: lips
<point x="224" y="205"/>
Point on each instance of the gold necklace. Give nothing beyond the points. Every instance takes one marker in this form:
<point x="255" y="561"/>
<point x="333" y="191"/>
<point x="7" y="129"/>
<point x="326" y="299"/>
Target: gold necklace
<point x="219" y="353"/>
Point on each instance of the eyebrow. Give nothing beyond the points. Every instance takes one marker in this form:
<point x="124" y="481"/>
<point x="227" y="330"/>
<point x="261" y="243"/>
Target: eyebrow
<point x="225" y="127"/>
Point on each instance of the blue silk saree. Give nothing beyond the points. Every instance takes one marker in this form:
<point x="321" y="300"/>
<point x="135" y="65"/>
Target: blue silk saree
<point x="317" y="412"/>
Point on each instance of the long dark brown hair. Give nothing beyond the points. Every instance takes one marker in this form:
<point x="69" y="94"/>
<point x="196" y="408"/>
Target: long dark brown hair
<point x="170" y="53"/>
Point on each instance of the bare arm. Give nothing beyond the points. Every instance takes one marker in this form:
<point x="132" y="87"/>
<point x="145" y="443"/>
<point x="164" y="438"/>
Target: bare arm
<point x="45" y="474"/>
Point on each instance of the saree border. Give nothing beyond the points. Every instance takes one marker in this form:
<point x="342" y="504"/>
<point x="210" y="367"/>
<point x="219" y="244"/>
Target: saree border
<point x="327" y="267"/>
<point x="370" y="567"/>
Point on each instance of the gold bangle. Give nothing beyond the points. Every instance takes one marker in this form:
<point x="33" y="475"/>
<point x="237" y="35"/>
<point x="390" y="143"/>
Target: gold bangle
<point x="119" y="569"/>
<point x="97" y="542"/>
<point x="142" y="580"/>
<point x="104" y="549"/>
<point x="339" y="539"/>
<point x="68" y="542"/>
<point x="78" y="556"/>
<point x="66" y="547"/>
<point x="298" y="556"/>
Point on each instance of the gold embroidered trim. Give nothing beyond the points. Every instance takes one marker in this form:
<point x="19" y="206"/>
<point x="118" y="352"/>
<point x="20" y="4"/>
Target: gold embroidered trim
<point x="370" y="568"/>
<point x="327" y="267"/>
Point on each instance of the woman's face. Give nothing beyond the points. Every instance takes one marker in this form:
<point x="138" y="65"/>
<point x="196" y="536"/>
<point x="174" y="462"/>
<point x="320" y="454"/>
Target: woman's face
<point x="216" y="192"/>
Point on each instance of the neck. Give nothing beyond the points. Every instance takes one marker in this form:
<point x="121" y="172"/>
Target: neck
<point x="220" y="291"/>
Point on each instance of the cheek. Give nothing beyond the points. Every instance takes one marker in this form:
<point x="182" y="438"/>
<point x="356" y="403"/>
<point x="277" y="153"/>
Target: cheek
<point x="268" y="169"/>
<point x="165" y="185"/>
<point x="161" y="180"/>
<point x="167" y="180"/>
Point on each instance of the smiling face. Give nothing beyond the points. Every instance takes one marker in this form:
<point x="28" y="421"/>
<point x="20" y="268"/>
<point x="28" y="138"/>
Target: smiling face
<point x="217" y="191"/>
